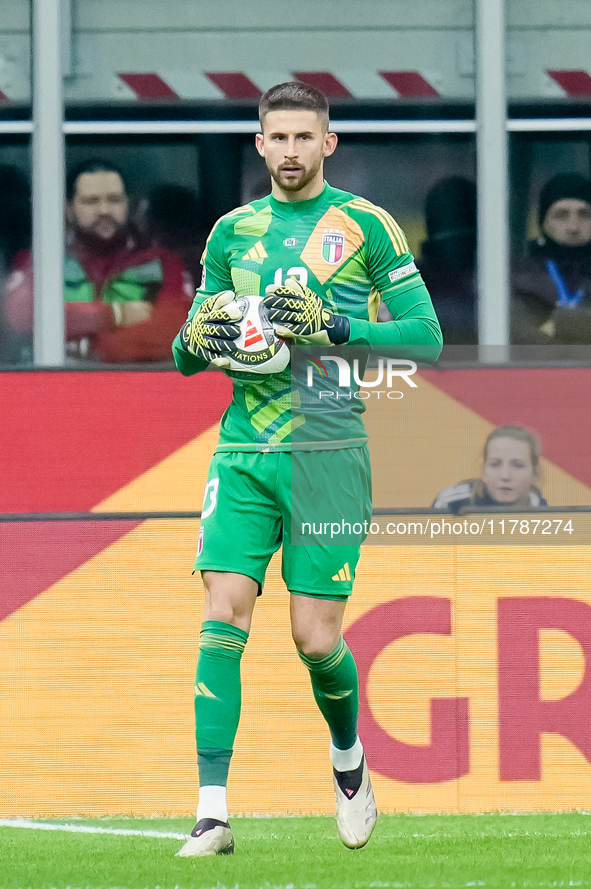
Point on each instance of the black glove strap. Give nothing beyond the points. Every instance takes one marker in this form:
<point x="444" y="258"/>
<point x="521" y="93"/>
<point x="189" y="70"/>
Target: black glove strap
<point x="340" y="331"/>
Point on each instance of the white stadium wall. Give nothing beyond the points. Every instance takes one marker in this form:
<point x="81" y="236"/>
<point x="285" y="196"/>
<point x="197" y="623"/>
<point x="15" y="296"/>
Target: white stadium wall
<point x="231" y="49"/>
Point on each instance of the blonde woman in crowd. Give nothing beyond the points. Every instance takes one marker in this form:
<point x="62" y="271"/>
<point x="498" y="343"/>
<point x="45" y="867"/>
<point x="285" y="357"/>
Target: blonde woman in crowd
<point x="509" y="475"/>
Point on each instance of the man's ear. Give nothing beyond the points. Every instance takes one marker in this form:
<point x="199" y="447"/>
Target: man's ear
<point x="260" y="144"/>
<point x="330" y="144"/>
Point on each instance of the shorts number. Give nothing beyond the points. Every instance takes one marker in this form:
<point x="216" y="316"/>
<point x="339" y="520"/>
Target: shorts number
<point x="211" y="491"/>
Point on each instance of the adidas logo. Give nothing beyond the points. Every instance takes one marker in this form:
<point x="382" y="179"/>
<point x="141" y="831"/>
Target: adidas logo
<point x="344" y="573"/>
<point x="201" y="690"/>
<point x="256" y="253"/>
<point x="252" y="335"/>
<point x="340" y="697"/>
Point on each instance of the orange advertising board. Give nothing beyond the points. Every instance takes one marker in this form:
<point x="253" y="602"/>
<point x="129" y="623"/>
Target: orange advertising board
<point x="474" y="687"/>
<point x="473" y="659"/>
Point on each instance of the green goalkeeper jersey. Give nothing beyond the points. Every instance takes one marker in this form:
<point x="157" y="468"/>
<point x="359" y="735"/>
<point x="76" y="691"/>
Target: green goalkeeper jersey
<point x="353" y="255"/>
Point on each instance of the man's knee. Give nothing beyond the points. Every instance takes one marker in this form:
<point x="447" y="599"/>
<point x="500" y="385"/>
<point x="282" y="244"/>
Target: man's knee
<point x="317" y="642"/>
<point x="316" y="625"/>
<point x="315" y="652"/>
<point x="229" y="598"/>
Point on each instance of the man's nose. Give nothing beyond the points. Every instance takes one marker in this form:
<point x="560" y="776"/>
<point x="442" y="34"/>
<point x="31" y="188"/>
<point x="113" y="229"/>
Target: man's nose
<point x="574" y="223"/>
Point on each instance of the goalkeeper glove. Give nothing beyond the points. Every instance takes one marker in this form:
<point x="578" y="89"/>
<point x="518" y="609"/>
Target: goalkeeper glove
<point x="211" y="332"/>
<point x="296" y="312"/>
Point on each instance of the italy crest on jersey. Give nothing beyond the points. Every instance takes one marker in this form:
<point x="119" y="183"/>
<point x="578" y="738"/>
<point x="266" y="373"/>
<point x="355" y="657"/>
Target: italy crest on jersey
<point x="333" y="246"/>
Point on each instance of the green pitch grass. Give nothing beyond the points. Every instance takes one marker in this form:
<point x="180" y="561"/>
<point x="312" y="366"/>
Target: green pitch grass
<point x="405" y="852"/>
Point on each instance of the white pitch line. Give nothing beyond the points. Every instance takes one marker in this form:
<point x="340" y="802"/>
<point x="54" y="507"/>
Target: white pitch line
<point x="88" y="828"/>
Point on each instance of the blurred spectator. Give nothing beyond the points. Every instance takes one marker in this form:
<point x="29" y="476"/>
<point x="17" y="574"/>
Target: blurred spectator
<point x="448" y="257"/>
<point x="15" y="212"/>
<point x="509" y="475"/>
<point x="172" y="218"/>
<point x="125" y="299"/>
<point x="15" y="235"/>
<point x="257" y="189"/>
<point x="552" y="282"/>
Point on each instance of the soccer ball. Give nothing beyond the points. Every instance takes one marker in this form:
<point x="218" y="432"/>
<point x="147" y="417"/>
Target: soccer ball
<point x="258" y="349"/>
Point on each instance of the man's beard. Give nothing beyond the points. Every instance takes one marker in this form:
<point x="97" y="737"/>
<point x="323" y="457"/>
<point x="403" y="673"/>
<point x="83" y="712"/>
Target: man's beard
<point x="98" y="244"/>
<point x="294" y="185"/>
<point x="115" y="227"/>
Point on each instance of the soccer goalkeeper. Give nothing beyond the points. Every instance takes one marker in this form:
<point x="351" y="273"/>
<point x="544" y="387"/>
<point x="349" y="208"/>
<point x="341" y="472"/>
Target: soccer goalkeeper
<point x="323" y="259"/>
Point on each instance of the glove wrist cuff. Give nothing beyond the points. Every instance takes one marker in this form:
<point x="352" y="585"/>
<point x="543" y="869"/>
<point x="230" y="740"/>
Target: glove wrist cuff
<point x="340" y="331"/>
<point x="185" y="333"/>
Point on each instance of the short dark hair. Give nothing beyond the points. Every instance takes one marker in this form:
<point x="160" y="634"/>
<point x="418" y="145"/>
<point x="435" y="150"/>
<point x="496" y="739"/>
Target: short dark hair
<point x="294" y="96"/>
<point x="96" y="165"/>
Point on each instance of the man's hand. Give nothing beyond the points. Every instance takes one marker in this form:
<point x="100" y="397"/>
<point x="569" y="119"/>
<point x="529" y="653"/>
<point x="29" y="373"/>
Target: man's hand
<point x="296" y="312"/>
<point x="211" y="332"/>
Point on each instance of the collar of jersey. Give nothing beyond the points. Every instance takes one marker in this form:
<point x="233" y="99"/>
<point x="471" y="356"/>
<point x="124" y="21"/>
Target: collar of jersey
<point x="296" y="207"/>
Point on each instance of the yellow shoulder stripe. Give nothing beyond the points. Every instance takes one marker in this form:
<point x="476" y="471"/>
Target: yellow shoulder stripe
<point x="393" y="229"/>
<point x="396" y="234"/>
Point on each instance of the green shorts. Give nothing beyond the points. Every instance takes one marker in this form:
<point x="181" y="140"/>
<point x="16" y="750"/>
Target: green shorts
<point x="316" y="503"/>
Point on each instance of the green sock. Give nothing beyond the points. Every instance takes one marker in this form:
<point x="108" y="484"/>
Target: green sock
<point x="217" y="698"/>
<point x="336" y="690"/>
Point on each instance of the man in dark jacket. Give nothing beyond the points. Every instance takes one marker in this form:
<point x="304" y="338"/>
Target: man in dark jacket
<point x="552" y="282"/>
<point x="447" y="262"/>
<point x="448" y="257"/>
<point x="124" y="299"/>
